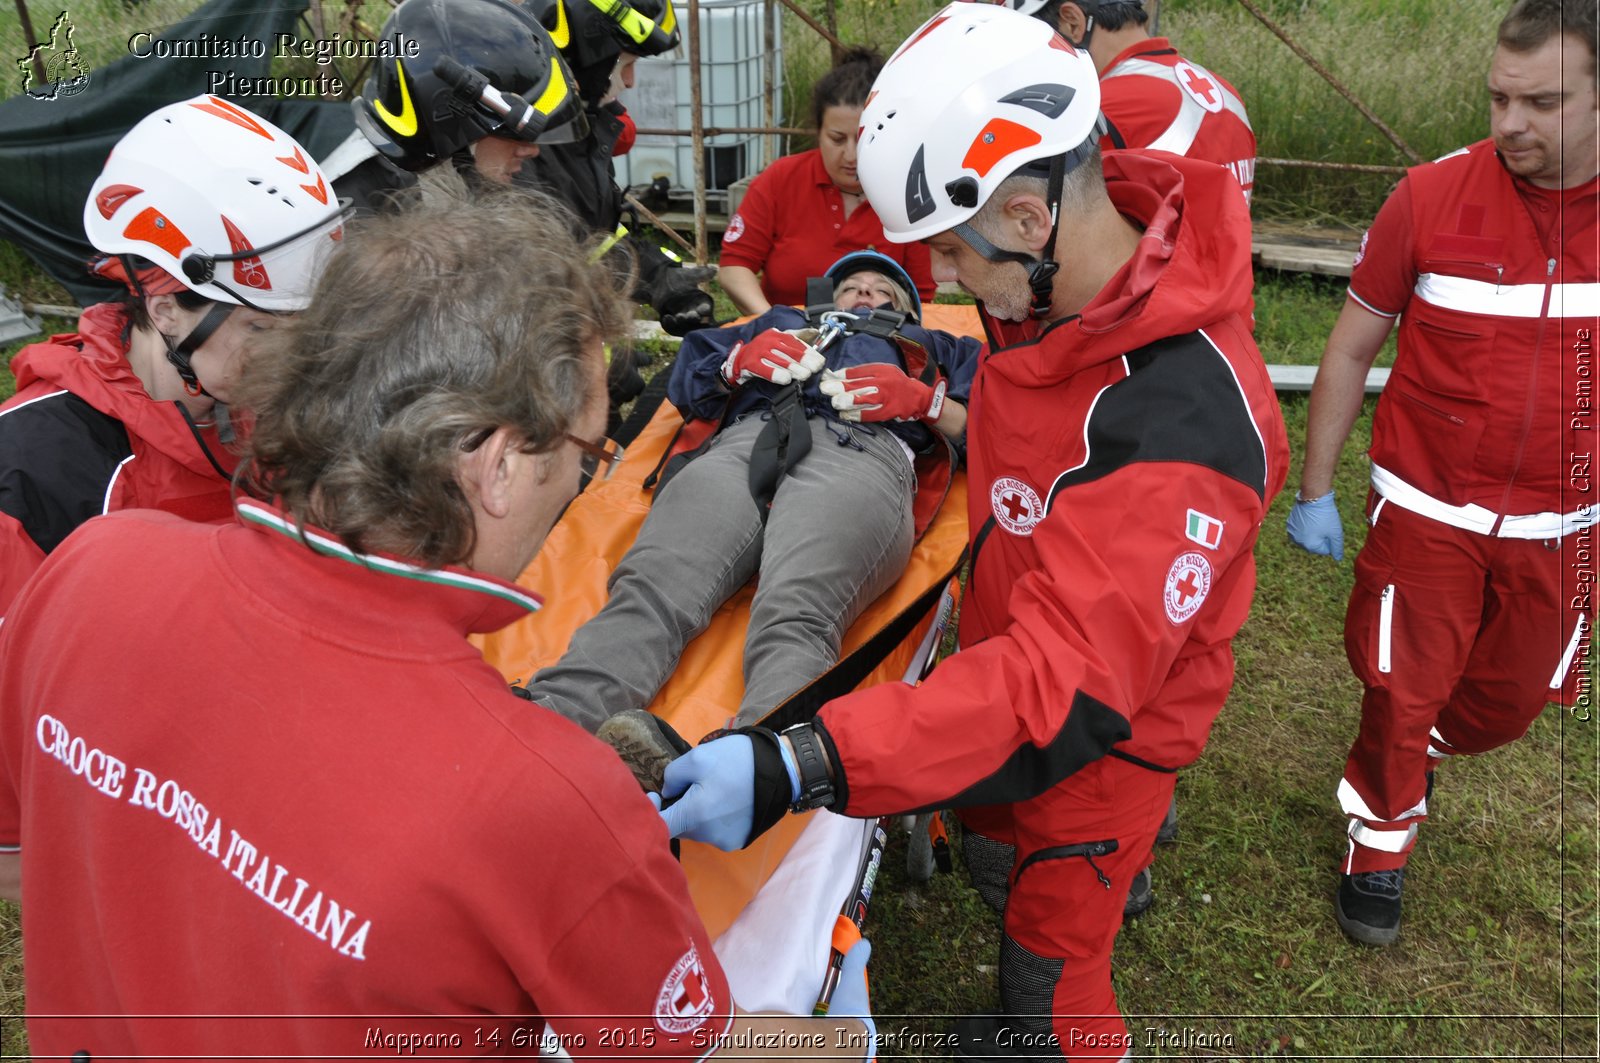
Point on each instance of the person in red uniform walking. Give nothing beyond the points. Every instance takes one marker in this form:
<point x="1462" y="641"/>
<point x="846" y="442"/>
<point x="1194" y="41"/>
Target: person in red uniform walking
<point x="1467" y="615"/>
<point x="340" y="832"/>
<point x="1124" y="443"/>
<point x="130" y="411"/>
<point x="806" y="211"/>
<point x="1153" y="97"/>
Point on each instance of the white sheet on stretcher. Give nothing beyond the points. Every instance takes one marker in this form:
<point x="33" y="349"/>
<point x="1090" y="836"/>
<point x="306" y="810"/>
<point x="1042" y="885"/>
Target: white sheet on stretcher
<point x="776" y="951"/>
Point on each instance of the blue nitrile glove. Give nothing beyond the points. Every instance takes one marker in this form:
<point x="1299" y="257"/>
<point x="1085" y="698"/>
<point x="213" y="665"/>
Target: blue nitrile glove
<point x="730" y="790"/>
<point x="1315" y="526"/>
<point x="850" y="998"/>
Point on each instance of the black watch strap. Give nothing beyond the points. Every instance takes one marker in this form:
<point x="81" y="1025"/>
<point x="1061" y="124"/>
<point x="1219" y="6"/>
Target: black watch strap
<point x="816" y="786"/>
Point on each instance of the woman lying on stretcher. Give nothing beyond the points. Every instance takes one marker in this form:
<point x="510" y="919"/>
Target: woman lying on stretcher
<point x="817" y="470"/>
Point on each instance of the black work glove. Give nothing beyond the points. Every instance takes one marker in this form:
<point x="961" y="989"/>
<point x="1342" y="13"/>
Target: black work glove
<point x="680" y="302"/>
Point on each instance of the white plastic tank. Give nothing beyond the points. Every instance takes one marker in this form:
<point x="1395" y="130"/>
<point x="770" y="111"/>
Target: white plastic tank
<point x="733" y="82"/>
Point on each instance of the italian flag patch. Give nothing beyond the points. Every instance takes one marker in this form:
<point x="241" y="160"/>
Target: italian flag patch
<point x="1203" y="529"/>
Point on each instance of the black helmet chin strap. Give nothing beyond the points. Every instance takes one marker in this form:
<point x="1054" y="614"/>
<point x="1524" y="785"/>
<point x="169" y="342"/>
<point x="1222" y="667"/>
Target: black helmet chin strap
<point x="181" y="353"/>
<point x="1088" y="34"/>
<point x="1043" y="269"/>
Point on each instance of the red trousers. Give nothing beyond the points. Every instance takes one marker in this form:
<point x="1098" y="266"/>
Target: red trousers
<point x="1460" y="639"/>
<point x="1064" y="901"/>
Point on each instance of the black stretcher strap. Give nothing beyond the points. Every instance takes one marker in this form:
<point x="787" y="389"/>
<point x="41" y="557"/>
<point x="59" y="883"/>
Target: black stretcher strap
<point x="784" y="441"/>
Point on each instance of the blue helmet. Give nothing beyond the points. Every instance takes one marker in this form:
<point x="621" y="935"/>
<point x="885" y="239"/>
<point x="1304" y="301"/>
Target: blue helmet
<point x="877" y="261"/>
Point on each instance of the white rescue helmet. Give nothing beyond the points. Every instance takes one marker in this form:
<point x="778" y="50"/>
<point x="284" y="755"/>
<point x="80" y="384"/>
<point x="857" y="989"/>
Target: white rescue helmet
<point x="971" y="97"/>
<point x="1026" y="7"/>
<point x="218" y="200"/>
<point x="1036" y="8"/>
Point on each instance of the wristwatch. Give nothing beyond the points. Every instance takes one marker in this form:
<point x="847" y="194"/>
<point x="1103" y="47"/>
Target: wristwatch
<point x="816" y="785"/>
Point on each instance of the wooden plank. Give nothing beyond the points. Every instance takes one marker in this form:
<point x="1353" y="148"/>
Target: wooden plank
<point x="684" y="219"/>
<point x="1304" y="249"/>
<point x="1331" y="261"/>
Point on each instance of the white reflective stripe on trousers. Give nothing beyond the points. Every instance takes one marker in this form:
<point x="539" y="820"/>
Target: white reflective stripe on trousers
<point x="1573" y="643"/>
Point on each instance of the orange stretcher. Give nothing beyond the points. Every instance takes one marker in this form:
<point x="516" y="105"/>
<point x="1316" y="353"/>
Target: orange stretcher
<point x="891" y="640"/>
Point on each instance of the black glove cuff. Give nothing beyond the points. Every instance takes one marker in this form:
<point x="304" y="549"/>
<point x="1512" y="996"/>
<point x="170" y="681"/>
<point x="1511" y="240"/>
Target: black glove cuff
<point x="772" y="787"/>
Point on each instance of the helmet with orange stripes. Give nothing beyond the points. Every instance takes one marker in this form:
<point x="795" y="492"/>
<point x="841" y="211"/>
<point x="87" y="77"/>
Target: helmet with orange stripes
<point x="207" y="196"/>
<point x="978" y="92"/>
<point x="976" y="95"/>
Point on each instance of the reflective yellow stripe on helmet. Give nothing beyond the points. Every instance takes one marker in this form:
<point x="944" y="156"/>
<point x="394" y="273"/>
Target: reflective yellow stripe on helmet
<point x="635" y="25"/>
<point x="561" y="34"/>
<point x="555" y="93"/>
<point x="404" y="123"/>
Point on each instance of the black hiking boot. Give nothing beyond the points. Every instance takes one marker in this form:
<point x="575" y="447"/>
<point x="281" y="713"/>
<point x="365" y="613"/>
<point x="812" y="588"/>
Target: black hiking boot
<point x="1368" y="906"/>
<point x="645" y="742"/>
<point x="1140" y="896"/>
<point x="1169" y="826"/>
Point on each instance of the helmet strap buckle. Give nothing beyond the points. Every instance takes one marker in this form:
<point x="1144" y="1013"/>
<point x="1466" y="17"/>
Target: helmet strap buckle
<point x="181" y="353"/>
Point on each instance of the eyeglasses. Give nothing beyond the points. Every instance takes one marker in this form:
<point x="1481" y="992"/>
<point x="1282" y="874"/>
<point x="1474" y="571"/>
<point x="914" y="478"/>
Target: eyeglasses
<point x="598" y="462"/>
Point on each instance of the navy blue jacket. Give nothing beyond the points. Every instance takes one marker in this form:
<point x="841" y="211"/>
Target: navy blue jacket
<point x="697" y="389"/>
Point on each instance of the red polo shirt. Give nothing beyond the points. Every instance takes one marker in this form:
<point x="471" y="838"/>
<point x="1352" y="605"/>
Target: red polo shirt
<point x="791" y="225"/>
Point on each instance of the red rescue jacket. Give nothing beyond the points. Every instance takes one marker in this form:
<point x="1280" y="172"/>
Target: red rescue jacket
<point x="1120" y="463"/>
<point x="82" y="437"/>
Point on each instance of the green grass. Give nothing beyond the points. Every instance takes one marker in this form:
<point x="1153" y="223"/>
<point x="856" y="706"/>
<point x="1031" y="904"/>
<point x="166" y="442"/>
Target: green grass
<point x="1294" y="314"/>
<point x="1420" y="65"/>
<point x="1500" y="937"/>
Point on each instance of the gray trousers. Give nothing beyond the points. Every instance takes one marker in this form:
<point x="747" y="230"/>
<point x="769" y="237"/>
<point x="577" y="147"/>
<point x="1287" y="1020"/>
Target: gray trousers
<point x="839" y="534"/>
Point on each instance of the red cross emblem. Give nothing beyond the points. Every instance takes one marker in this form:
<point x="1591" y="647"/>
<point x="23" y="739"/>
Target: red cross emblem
<point x="692" y="996"/>
<point x="684" y="1002"/>
<point x="1188" y="583"/>
<point x="1017" y="507"/>
<point x="1198" y="84"/>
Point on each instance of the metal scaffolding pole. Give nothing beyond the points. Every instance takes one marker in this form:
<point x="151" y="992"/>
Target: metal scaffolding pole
<point x="697" y="136"/>
<point x="769" y="67"/>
